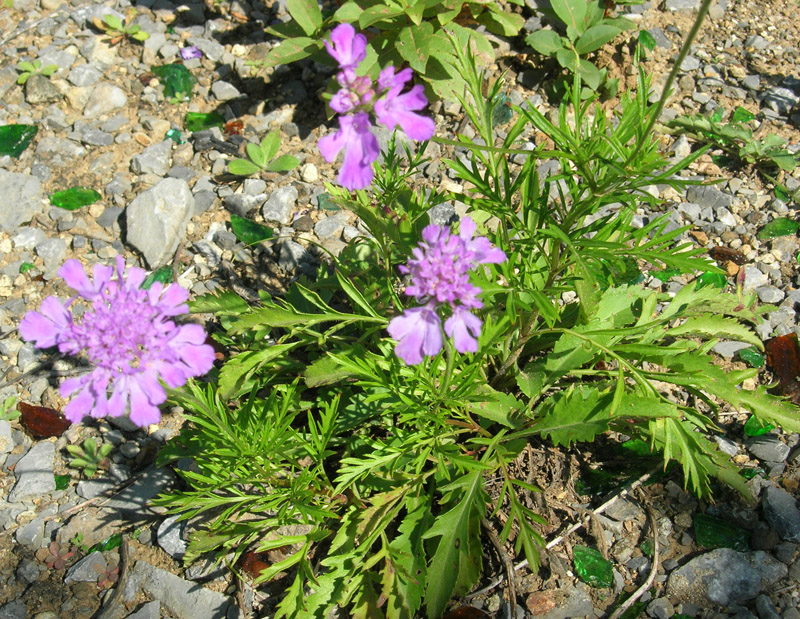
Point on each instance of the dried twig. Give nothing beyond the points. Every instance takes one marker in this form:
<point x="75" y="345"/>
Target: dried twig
<point x="653" y="570"/>
<point x="624" y="491"/>
<point x="111" y="605"/>
<point x="512" y="589"/>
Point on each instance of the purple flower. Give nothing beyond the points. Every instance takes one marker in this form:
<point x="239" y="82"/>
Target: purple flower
<point x="360" y="150"/>
<point x="187" y="53"/>
<point x="397" y="109"/>
<point x="419" y="333"/>
<point x="439" y="272"/>
<point x="347" y="47"/>
<point x="128" y="337"/>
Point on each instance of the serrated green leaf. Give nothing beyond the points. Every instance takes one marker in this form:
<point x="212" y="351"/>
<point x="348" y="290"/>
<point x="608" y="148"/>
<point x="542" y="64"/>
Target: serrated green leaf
<point x="545" y="42"/>
<point x="502" y="408"/>
<point x="717" y="326"/>
<point x="242" y="167"/>
<point x="413" y="45"/>
<point x="306" y="13"/>
<point x="741" y="115"/>
<point x="234" y="373"/>
<point x="575" y="414"/>
<point x="256" y="154"/>
<point x="284" y="163"/>
<point x="595" y="37"/>
<point x="249" y="232"/>
<point x="324" y="371"/>
<point x="222" y="302"/>
<point x="292" y="50"/>
<point x="162" y="274"/>
<point x="456" y="564"/>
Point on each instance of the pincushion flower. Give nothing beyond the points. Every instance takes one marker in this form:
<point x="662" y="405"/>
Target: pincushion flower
<point x="127" y="335"/>
<point x="357" y="97"/>
<point x="439" y="271"/>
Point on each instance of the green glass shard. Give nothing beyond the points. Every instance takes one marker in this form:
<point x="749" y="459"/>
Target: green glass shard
<point x="647" y="547"/>
<point x="666" y="274"/>
<point x="175" y="136"/>
<point x="750" y="472"/>
<point x="62" y="481"/>
<point x="162" y="274"/>
<point x="782" y="193"/>
<point x="638" y="608"/>
<point x="16" y="138"/>
<point x="755" y="427"/>
<point x="752" y="357"/>
<point x="741" y="115"/>
<point x="647" y="40"/>
<point x="502" y="112"/>
<point x="591" y="567"/>
<point x="713" y="532"/>
<point x="25" y="267"/>
<point x="74" y="198"/>
<point x="325" y="203"/>
<point x="711" y="279"/>
<point x="178" y="81"/>
<point x="778" y="227"/>
<point x="637" y="447"/>
<point x="249" y="232"/>
<point x="197" y="121"/>
<point x="717" y="114"/>
<point x="115" y="541"/>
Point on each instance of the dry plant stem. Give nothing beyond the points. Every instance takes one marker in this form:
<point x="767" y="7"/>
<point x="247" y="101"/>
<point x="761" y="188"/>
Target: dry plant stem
<point x="109" y="609"/>
<point x="653" y="570"/>
<point x="512" y="589"/>
<point x="555" y="542"/>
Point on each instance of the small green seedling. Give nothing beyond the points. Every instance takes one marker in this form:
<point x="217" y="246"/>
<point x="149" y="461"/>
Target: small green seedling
<point x="118" y="30"/>
<point x="586" y="29"/>
<point x="88" y="456"/>
<point x="8" y="410"/>
<point x="262" y="157"/>
<point x="736" y="139"/>
<point x="34" y="68"/>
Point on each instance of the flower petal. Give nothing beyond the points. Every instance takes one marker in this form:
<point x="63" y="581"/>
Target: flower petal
<point x="419" y="334"/>
<point x="50" y="326"/>
<point x="462" y="326"/>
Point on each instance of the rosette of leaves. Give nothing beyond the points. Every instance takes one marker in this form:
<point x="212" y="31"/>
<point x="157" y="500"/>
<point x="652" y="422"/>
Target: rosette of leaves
<point x="408" y="32"/>
<point x="117" y="29"/>
<point x="8" y="411"/>
<point x="261" y="157"/>
<point x="88" y="456"/>
<point x="34" y="68"/>
<point x="584" y="29"/>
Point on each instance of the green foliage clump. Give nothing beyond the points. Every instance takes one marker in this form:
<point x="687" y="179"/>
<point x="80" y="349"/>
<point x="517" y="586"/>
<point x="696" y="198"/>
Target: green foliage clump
<point x="88" y="456"/>
<point x="262" y="157"/>
<point x="8" y="412"/>
<point x="118" y="30"/>
<point x="34" y="68"/>
<point x="408" y="31"/>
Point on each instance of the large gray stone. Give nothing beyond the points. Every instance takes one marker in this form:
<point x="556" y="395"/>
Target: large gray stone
<point x="170" y="536"/>
<point x="157" y="220"/>
<point x="280" y="205"/>
<point x="86" y="570"/>
<point x="58" y="152"/>
<point x="39" y="90"/>
<point x="150" y="610"/>
<point x="708" y="196"/>
<point x="22" y="196"/>
<point x="781" y="511"/>
<point x="137" y="496"/>
<point x="6" y="440"/>
<point x="182" y="598"/>
<point x="724" y="577"/>
<point x="34" y="473"/>
<point x="105" y="98"/>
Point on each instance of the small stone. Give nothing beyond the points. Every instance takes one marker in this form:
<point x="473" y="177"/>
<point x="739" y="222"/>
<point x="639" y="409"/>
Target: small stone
<point x="291" y="255"/>
<point x="52" y="251"/>
<point x="254" y="187"/>
<point x="309" y="173"/>
<point x="780" y="509"/>
<point x="104" y="99"/>
<point x="40" y="90"/>
<point x="6" y="440"/>
<point x="766" y="609"/>
<point x="781" y="100"/>
<point x="682" y="5"/>
<point x="150" y="610"/>
<point x="21" y="199"/>
<point x="91" y="488"/>
<point x="170" y="537"/>
<point x="329" y="227"/>
<point x="660" y="608"/>
<point x="31" y="534"/>
<point x="243" y="204"/>
<point x="768" y="448"/>
<point x="153" y="159"/>
<point x="157" y="220"/>
<point x="28" y="572"/>
<point x="729" y="349"/>
<point x="726" y="446"/>
<point x="280" y="205"/>
<point x="770" y="294"/>
<point x="708" y="196"/>
<point x="84" y="75"/>
<point x="224" y="91"/>
<point x="34" y="473"/>
<point x="87" y="569"/>
<point x="754" y="278"/>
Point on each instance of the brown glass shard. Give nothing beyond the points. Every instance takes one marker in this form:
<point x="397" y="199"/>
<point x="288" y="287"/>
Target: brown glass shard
<point x="466" y="612"/>
<point x="783" y="359"/>
<point x="726" y="254"/>
<point x="42" y="422"/>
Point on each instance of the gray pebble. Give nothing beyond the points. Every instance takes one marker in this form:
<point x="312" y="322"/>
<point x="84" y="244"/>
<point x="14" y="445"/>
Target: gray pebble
<point x="27" y="572"/>
<point x="170" y="536"/>
<point x="34" y="473"/>
<point x="291" y="255"/>
<point x="225" y="239"/>
<point x="682" y="5"/>
<point x="780" y="509"/>
<point x="280" y="205"/>
<point x="91" y="488"/>
<point x="87" y="569"/>
<point x="52" y="251"/>
<point x="254" y="186"/>
<point x="781" y="100"/>
<point x="203" y="200"/>
<point x="770" y="294"/>
<point x="224" y="91"/>
<point x="31" y="534"/>
<point x="153" y="159"/>
<point x="14" y="610"/>
<point x="6" y="440"/>
<point x="150" y="610"/>
<point x="84" y="75"/>
<point x="95" y="137"/>
<point x="22" y="196"/>
<point x="768" y="447"/>
<point x="242" y="204"/>
<point x="708" y="196"/>
<point x="104" y="99"/>
<point x="728" y="349"/>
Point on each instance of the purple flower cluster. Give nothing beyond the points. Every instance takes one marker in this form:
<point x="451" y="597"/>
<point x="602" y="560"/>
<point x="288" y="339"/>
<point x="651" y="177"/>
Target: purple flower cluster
<point x="357" y="97"/>
<point x="187" y="53"/>
<point x="439" y="273"/>
<point x="128" y="336"/>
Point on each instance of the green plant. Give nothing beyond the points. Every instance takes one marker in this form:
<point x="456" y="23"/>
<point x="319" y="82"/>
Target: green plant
<point x="737" y="140"/>
<point x="585" y="30"/>
<point x="55" y="556"/>
<point x="88" y="456"/>
<point x="407" y="31"/>
<point x="8" y="412"/>
<point x="261" y="157"/>
<point x="117" y="30"/>
<point x="34" y="68"/>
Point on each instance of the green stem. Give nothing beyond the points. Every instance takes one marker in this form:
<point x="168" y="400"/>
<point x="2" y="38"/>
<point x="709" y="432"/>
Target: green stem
<point x="491" y="149"/>
<point x="701" y="14"/>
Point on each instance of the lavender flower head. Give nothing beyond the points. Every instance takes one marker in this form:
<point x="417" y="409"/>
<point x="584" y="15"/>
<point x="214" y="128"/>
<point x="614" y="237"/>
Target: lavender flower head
<point x="129" y="338"/>
<point x="439" y="271"/>
<point x="357" y="97"/>
<point x="187" y="53"/>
